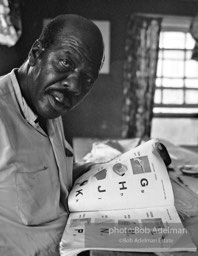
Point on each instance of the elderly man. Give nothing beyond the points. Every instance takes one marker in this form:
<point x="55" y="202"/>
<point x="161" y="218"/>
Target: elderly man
<point x="35" y="160"/>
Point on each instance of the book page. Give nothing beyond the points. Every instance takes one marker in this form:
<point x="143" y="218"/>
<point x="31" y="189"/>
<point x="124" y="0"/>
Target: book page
<point x="135" y="179"/>
<point x="150" y="229"/>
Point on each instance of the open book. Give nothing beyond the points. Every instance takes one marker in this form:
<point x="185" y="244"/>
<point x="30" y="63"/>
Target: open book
<point x="126" y="204"/>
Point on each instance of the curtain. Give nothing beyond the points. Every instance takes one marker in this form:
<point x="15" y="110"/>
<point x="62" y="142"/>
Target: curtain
<point x="139" y="73"/>
<point x="194" y="34"/>
<point x="10" y="22"/>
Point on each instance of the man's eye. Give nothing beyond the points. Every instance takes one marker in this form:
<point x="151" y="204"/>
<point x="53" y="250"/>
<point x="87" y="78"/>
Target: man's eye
<point x="67" y="64"/>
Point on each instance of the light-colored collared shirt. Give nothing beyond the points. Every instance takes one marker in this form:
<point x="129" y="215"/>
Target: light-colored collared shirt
<point x="35" y="177"/>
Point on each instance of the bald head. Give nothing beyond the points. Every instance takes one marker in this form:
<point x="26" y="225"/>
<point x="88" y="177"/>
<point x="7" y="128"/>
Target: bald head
<point x="74" y="26"/>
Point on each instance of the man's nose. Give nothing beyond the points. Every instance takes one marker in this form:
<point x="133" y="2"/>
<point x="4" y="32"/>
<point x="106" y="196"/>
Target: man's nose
<point x="73" y="84"/>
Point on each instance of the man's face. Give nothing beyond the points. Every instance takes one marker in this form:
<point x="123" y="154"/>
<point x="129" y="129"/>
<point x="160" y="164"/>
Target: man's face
<point x="61" y="77"/>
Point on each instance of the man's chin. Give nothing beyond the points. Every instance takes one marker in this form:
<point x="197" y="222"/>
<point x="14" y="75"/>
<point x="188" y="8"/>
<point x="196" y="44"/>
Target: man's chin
<point x="46" y="114"/>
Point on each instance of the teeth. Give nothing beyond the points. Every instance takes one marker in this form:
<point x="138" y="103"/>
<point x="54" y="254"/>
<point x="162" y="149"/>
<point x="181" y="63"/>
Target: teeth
<point x="57" y="99"/>
<point x="58" y="96"/>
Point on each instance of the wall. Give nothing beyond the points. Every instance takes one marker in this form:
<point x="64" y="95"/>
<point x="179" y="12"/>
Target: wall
<point x="100" y="113"/>
<point x="104" y="117"/>
<point x="180" y="131"/>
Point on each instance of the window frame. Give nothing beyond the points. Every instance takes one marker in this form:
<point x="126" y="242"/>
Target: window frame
<point x="177" y="24"/>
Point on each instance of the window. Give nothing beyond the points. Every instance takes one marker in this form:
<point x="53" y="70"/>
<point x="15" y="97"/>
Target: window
<point x="176" y="91"/>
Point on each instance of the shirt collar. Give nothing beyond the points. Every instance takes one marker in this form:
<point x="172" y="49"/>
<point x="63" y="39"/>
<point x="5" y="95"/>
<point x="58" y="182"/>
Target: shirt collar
<point x="29" y="115"/>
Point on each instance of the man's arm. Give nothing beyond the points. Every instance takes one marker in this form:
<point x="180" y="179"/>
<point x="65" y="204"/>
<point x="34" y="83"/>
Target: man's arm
<point x="80" y="169"/>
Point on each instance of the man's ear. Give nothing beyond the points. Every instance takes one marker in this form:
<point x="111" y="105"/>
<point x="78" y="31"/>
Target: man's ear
<point x="35" y="52"/>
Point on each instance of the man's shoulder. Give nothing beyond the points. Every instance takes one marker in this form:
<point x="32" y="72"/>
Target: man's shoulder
<point x="5" y="85"/>
<point x="7" y="95"/>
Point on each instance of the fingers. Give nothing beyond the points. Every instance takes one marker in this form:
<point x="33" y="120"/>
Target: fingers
<point x="164" y="154"/>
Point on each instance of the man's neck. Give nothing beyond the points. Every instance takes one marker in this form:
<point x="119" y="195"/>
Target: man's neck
<point x="43" y="123"/>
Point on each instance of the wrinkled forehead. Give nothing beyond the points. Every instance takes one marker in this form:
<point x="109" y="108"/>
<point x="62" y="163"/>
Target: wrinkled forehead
<point x="87" y="40"/>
